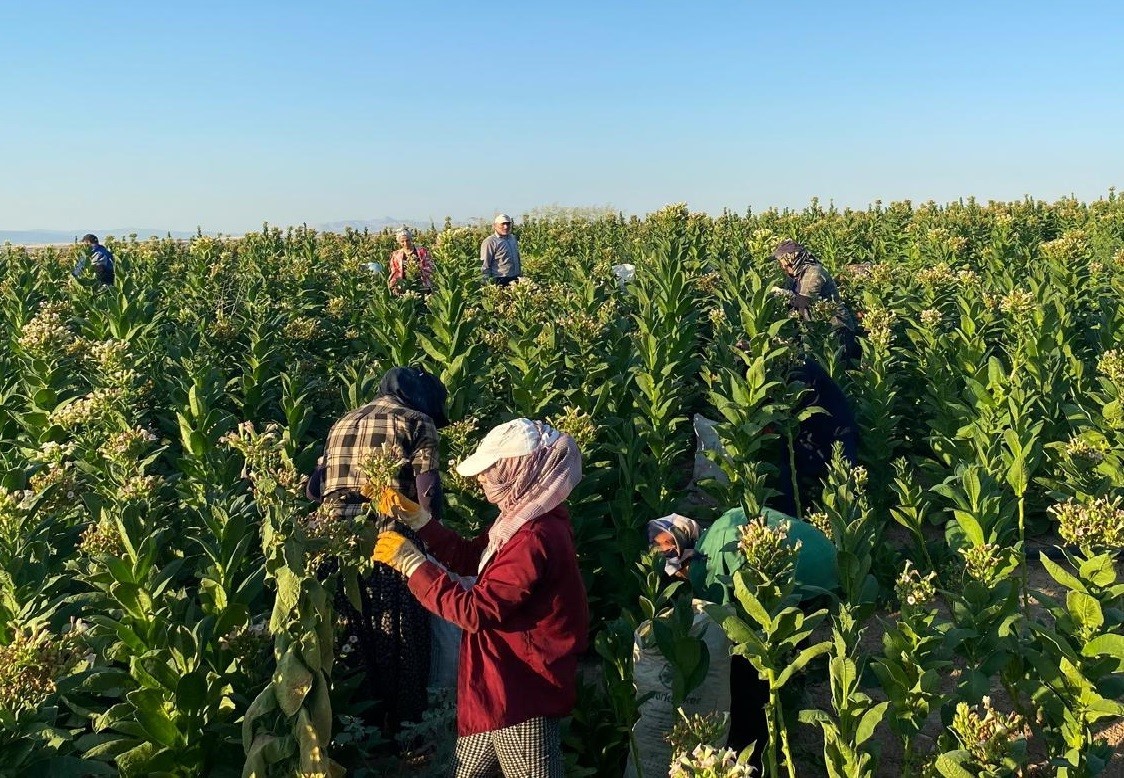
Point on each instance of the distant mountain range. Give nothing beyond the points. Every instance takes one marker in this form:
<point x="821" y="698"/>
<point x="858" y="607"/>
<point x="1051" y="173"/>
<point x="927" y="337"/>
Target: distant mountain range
<point x="41" y="237"/>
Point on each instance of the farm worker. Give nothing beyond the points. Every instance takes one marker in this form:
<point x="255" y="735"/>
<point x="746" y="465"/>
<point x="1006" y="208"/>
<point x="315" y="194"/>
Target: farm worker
<point x="499" y="253"/>
<point x="409" y="260"/>
<point x="525" y="620"/>
<point x="708" y="560"/>
<point x="809" y="282"/>
<point x="100" y="259"/>
<point x="392" y="630"/>
<point x="815" y="437"/>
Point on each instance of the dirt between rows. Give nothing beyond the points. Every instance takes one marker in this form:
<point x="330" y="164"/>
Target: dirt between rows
<point x="807" y="741"/>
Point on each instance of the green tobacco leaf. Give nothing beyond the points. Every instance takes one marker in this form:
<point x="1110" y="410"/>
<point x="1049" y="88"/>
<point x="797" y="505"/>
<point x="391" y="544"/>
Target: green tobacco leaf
<point x="803" y="658"/>
<point x="265" y="702"/>
<point x="1060" y="574"/>
<point x="135" y="761"/>
<point x="291" y="682"/>
<point x="1099" y="570"/>
<point x="1085" y="610"/>
<point x="752" y="605"/>
<point x="869" y="721"/>
<point x="1110" y="645"/>
<point x="151" y="715"/>
<point x="950" y="764"/>
<point x="191" y="691"/>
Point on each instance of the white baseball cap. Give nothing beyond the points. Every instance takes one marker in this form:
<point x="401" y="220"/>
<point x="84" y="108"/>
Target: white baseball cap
<point x="501" y="218"/>
<point x="515" y="438"/>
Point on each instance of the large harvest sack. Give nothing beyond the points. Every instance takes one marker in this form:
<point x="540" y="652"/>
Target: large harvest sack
<point x="625" y="274"/>
<point x="706" y="436"/>
<point x="652" y="673"/>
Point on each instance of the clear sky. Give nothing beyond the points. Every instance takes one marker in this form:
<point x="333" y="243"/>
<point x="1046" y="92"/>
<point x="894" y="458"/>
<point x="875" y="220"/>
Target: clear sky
<point x="225" y="115"/>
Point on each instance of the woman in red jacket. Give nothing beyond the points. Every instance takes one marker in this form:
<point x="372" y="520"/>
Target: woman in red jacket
<point x="525" y="619"/>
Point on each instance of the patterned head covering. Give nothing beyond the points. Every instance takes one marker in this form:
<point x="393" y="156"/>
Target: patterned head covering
<point x="404" y="232"/>
<point x="685" y="532"/>
<point x="526" y="486"/>
<point x="796" y="253"/>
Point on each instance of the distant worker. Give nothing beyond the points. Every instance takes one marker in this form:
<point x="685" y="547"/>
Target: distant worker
<point x="808" y="283"/>
<point x="100" y="259"/>
<point x="410" y="263"/>
<point x="499" y="253"/>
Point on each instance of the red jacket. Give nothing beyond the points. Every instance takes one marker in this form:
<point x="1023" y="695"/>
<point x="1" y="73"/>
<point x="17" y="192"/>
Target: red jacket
<point x="525" y="621"/>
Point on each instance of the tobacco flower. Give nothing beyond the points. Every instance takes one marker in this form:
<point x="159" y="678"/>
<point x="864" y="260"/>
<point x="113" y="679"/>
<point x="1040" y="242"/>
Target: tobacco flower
<point x="1111" y="366"/>
<point x="987" y="734"/>
<point x="709" y="762"/>
<point x="1093" y="525"/>
<point x="931" y="318"/>
<point x="577" y="424"/>
<point x="697" y="729"/>
<point x="913" y="589"/>
<point x="768" y="554"/>
<point x="30" y="664"/>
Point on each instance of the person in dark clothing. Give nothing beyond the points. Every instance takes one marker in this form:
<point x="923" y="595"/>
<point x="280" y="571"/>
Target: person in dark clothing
<point x="392" y="629"/>
<point x="815" y="437"/>
<point x="809" y="282"/>
<point x="99" y="258"/>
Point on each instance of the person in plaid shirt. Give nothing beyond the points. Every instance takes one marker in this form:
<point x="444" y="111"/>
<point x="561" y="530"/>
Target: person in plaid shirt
<point x="401" y="258"/>
<point x="391" y="632"/>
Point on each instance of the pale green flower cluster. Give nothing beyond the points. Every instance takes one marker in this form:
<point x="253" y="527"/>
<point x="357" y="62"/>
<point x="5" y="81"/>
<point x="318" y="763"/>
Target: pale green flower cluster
<point x="985" y="563"/>
<point x="101" y="538"/>
<point x="1099" y="524"/>
<point x="1111" y="366"/>
<point x="697" y="729"/>
<point x="985" y="733"/>
<point x="879" y="324"/>
<point x="302" y="328"/>
<point x="913" y="589"/>
<point x="127" y="446"/>
<point x="139" y="488"/>
<point x="939" y="274"/>
<point x="577" y="424"/>
<point x="706" y="761"/>
<point x="820" y="521"/>
<point x="1018" y="302"/>
<point x="1084" y="453"/>
<point x="30" y="663"/>
<point x="767" y="552"/>
<point x="91" y="409"/>
<point x="930" y="318"/>
<point x="1071" y="246"/>
<point x="47" y="336"/>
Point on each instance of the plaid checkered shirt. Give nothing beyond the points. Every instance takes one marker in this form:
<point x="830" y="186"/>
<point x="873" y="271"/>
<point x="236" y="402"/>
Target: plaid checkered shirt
<point x="362" y="432"/>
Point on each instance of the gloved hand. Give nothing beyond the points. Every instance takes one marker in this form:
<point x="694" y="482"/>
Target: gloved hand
<point x="781" y="292"/>
<point x="393" y="503"/>
<point x="395" y="550"/>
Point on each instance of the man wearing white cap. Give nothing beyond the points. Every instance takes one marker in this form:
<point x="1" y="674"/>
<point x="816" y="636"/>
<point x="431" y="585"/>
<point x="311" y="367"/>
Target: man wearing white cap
<point x="499" y="253"/>
<point x="525" y="619"/>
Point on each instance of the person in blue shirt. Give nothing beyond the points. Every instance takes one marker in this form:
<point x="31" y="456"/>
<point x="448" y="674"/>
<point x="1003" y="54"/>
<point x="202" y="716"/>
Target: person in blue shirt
<point x="99" y="258"/>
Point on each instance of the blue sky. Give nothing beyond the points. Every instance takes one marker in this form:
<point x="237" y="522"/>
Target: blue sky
<point x="225" y="115"/>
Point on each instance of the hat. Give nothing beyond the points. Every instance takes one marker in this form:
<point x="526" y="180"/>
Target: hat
<point x="404" y="232"/>
<point x="786" y="248"/>
<point x="516" y="438"/>
<point x="501" y="218"/>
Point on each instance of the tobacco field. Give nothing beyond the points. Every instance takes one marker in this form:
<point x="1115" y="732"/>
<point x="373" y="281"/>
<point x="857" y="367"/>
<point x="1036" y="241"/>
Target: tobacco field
<point x="160" y="614"/>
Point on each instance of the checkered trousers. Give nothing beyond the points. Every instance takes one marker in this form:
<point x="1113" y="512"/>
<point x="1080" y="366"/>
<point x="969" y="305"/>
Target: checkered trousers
<point x="359" y="433"/>
<point x="532" y="749"/>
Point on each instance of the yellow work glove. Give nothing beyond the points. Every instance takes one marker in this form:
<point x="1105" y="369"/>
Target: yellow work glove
<point x="396" y="505"/>
<point x="395" y="550"/>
